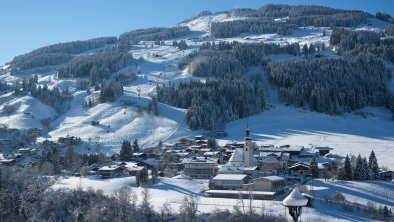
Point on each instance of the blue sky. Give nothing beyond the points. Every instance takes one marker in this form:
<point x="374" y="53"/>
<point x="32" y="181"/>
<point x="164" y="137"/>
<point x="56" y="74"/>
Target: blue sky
<point x="26" y="25"/>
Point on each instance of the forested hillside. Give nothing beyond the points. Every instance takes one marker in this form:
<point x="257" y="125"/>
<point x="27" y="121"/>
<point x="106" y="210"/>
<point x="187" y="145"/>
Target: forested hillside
<point x="330" y="85"/>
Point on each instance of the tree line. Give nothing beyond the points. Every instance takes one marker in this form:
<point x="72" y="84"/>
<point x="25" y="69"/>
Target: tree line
<point x="231" y="59"/>
<point x="331" y="85"/>
<point x="359" y="168"/>
<point x="234" y="28"/>
<point x="58" y="53"/>
<point x="98" y="66"/>
<point x="262" y="20"/>
<point x="213" y="103"/>
<point x="154" y="34"/>
<point x="352" y="43"/>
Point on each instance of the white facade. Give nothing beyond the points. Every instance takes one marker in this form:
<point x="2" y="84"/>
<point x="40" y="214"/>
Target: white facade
<point x="244" y="156"/>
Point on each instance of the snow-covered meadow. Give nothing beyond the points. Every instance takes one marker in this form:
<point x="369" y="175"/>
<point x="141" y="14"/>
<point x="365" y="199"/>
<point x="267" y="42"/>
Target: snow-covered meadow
<point x="173" y="190"/>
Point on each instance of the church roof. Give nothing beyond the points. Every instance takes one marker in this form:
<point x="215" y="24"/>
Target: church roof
<point x="238" y="155"/>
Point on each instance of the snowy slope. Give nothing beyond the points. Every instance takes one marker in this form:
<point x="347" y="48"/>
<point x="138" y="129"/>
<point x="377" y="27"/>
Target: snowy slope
<point x="29" y="112"/>
<point x="348" y="134"/>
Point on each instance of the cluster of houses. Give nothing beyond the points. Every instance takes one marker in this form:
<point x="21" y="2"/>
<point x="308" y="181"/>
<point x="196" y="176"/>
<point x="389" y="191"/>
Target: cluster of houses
<point x="233" y="169"/>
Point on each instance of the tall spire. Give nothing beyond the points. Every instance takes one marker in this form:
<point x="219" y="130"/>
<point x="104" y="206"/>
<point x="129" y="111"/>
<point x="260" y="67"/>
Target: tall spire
<point x="247" y="132"/>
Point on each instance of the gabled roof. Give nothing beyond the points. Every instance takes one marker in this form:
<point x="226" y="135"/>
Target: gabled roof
<point x="270" y="159"/>
<point x="299" y="165"/>
<point x="238" y="155"/>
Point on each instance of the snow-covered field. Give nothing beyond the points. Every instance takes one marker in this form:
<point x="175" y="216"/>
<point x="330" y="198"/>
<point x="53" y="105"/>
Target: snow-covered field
<point x="173" y="190"/>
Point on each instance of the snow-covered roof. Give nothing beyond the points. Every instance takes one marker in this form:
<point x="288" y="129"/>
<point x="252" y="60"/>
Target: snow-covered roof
<point x="238" y="155"/>
<point x="182" y="176"/>
<point x="239" y="191"/>
<point x="295" y="148"/>
<point x="270" y="159"/>
<point x="230" y="177"/>
<point x="134" y="168"/>
<point x="323" y="148"/>
<point x="199" y="160"/>
<point x="151" y="162"/>
<point x="273" y="178"/>
<point x="306" y="153"/>
<point x="295" y="199"/>
<point x="108" y="168"/>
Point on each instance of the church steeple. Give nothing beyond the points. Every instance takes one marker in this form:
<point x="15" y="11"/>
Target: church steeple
<point x="248" y="149"/>
<point x="247" y="132"/>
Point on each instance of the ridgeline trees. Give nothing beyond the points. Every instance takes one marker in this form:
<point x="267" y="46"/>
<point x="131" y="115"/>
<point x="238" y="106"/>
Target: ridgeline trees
<point x="154" y="34"/>
<point x="57" y="54"/>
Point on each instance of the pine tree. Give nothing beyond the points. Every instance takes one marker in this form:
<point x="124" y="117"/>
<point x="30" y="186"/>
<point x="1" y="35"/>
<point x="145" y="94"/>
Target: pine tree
<point x="373" y="166"/>
<point x="153" y="108"/>
<point x="358" y="168"/>
<point x="365" y="170"/>
<point x="142" y="177"/>
<point x="347" y="169"/>
<point x="211" y="143"/>
<point x="136" y="147"/>
<point x="314" y="168"/>
<point x="126" y="152"/>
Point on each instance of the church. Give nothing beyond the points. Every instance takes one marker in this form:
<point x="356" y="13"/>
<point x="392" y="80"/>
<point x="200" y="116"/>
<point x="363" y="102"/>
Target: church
<point x="242" y="160"/>
<point x="244" y="157"/>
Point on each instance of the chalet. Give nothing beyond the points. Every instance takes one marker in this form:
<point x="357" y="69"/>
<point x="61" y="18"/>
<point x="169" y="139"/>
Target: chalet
<point x="201" y="142"/>
<point x="270" y="183"/>
<point x="26" y="150"/>
<point x="294" y="150"/>
<point x="200" y="167"/>
<point x="110" y="171"/>
<point x="323" y="150"/>
<point x="229" y="181"/>
<point x="306" y="154"/>
<point x="139" y="156"/>
<point x="69" y="141"/>
<point x="252" y="171"/>
<point x="134" y="170"/>
<point x="299" y="169"/>
<point x="95" y="123"/>
<point x="7" y="162"/>
<point x="149" y="163"/>
<point x="185" y="141"/>
<point x="387" y="175"/>
<point x="235" y="144"/>
<point x="269" y="164"/>
<point x="199" y="137"/>
<point x="235" y="194"/>
<point x="214" y="154"/>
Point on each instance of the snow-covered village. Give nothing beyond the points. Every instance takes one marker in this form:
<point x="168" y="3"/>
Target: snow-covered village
<point x="267" y="112"/>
